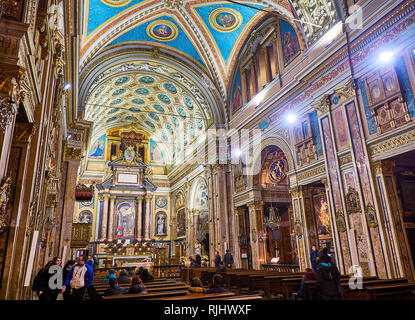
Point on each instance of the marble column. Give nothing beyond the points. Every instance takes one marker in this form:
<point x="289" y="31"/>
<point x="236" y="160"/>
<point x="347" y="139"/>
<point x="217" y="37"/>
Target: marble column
<point x="111" y="217"/>
<point x="258" y="244"/>
<point x="148" y="214"/>
<point x="139" y="229"/>
<point x="104" y="224"/>
<point x="396" y="240"/>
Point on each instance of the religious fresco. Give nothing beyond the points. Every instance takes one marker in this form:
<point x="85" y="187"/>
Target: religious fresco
<point x="85" y="217"/>
<point x="155" y="153"/>
<point x="124" y="219"/>
<point x="181" y="223"/>
<point x="201" y="195"/>
<point x="98" y="148"/>
<point x="162" y="30"/>
<point x="274" y="167"/>
<point x="160" y="224"/>
<point x="226" y="23"/>
<point x="225" y="19"/>
<point x="289" y="41"/>
<point x="161" y="202"/>
<point x="322" y="213"/>
<point x="236" y="101"/>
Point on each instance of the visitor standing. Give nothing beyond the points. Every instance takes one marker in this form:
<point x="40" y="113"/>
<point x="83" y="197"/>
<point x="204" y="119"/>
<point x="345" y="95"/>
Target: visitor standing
<point x="78" y="279"/>
<point x="328" y="286"/>
<point x="228" y="259"/>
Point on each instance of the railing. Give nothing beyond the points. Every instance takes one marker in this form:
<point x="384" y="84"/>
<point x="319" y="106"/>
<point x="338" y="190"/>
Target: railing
<point x="281" y="267"/>
<point x="167" y="271"/>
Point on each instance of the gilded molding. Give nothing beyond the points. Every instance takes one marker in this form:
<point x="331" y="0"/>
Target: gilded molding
<point x="347" y="91"/>
<point x="323" y="105"/>
<point x="312" y="172"/>
<point x="345" y="159"/>
<point x="72" y="154"/>
<point x="392" y="143"/>
<point x="383" y="166"/>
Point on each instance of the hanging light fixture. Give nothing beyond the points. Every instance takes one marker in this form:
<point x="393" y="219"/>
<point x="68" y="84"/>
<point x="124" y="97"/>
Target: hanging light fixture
<point x="273" y="221"/>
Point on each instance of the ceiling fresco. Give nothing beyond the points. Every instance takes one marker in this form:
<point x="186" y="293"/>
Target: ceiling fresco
<point x="156" y="99"/>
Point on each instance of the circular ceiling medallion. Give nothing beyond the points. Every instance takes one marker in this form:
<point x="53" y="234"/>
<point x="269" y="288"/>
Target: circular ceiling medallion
<point x="225" y="19"/>
<point x="116" y="3"/>
<point x="164" y="98"/>
<point x="171" y="88"/>
<point x="189" y="103"/>
<point x="138" y="101"/>
<point x="134" y="109"/>
<point x="121" y="80"/>
<point x="162" y="30"/>
<point x="150" y="124"/>
<point x="118" y="92"/>
<point x="154" y="116"/>
<point x="112" y="119"/>
<point x="169" y="129"/>
<point x="146" y="79"/>
<point x="142" y="91"/>
<point x="181" y="112"/>
<point x="116" y="101"/>
<point x="113" y="110"/>
<point x="158" y="108"/>
<point x="277" y="170"/>
<point x="131" y="118"/>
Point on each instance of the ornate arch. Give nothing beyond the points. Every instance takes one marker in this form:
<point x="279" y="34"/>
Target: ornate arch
<point x="271" y="141"/>
<point x="196" y="194"/>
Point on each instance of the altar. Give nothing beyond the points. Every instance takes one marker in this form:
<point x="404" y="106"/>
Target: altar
<point x="132" y="261"/>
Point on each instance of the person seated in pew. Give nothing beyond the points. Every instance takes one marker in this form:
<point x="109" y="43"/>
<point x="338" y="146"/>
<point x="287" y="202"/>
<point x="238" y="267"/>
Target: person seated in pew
<point x="137" y="286"/>
<point x="198" y="260"/>
<point x="109" y="276"/>
<point x="114" y="288"/>
<point x="328" y="286"/>
<point x="146" y="276"/>
<point x="139" y="272"/>
<point x="130" y="271"/>
<point x="196" y="286"/>
<point x="308" y="276"/>
<point x="192" y="263"/>
<point x="124" y="278"/>
<point x="216" y="285"/>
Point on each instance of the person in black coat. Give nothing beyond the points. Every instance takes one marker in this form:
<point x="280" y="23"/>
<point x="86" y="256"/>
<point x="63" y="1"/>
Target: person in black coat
<point x="146" y="276"/>
<point x="328" y="285"/>
<point x="228" y="259"/>
<point x="198" y="260"/>
<point x="216" y="285"/>
<point x="114" y="289"/>
<point x="124" y="278"/>
<point x="68" y="266"/>
<point x="41" y="282"/>
<point x="218" y="260"/>
<point x="137" y="286"/>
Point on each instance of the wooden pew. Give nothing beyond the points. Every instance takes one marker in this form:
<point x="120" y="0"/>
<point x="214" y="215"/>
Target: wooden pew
<point x="149" y="288"/>
<point x="355" y="294"/>
<point x="258" y="281"/>
<point x="200" y="296"/>
<point x="401" y="291"/>
<point x="241" y="297"/>
<point x="144" y="296"/>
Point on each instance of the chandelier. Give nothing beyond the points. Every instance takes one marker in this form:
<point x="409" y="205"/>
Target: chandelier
<point x="273" y="221"/>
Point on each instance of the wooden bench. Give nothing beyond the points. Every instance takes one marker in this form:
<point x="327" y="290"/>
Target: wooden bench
<point x="200" y="296"/>
<point x="143" y="296"/>
<point x="240" y="297"/>
<point x="356" y="294"/>
<point x="167" y="287"/>
<point x="401" y="291"/>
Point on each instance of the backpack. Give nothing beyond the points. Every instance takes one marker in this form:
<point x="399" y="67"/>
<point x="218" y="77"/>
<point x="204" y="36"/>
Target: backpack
<point x="37" y="280"/>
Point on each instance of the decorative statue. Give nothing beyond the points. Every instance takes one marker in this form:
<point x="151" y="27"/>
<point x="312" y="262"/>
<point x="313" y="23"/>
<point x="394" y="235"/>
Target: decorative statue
<point x="160" y="224"/>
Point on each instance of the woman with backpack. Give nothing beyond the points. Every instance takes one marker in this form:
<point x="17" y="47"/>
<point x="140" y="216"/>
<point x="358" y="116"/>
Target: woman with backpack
<point x="328" y="286"/>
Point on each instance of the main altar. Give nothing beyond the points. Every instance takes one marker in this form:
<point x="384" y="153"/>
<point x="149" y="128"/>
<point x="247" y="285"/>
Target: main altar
<point x="122" y="253"/>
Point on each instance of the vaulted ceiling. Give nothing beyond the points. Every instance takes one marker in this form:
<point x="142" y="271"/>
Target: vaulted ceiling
<point x="207" y="32"/>
<point x="198" y="41"/>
